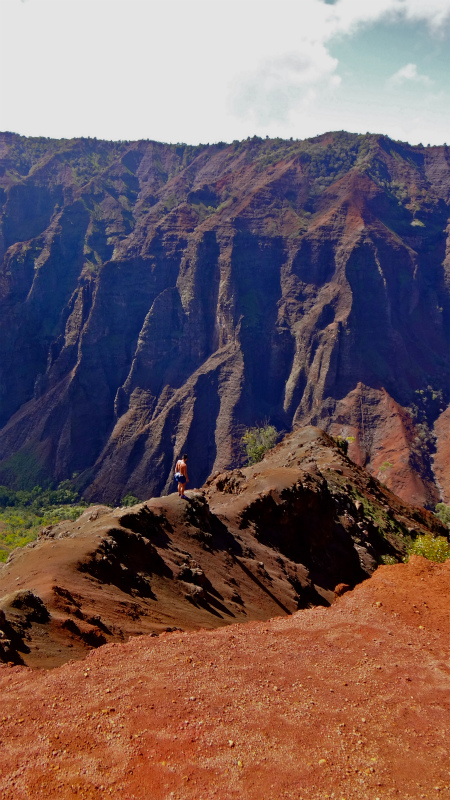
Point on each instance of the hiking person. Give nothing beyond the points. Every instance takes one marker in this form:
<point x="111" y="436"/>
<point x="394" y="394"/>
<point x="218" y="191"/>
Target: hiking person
<point x="181" y="475"/>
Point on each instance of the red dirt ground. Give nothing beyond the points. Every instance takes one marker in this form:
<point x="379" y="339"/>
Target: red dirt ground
<point x="348" y="702"/>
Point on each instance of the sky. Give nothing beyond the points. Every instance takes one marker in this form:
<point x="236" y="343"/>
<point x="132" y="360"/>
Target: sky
<point x="199" y="71"/>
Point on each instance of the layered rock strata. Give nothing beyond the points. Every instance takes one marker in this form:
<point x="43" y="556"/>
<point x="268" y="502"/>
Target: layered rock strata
<point x="159" y="298"/>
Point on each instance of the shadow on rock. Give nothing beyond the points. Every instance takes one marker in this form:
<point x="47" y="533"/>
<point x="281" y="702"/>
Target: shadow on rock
<point x="127" y="560"/>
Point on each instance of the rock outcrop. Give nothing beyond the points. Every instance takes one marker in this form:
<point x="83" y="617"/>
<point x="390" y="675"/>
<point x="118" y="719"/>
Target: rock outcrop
<point x="287" y="533"/>
<point x="157" y="298"/>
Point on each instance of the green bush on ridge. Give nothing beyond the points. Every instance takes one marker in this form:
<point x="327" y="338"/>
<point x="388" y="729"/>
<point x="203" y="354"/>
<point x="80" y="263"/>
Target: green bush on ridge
<point x="129" y="500"/>
<point x="257" y="441"/>
<point x="434" y="548"/>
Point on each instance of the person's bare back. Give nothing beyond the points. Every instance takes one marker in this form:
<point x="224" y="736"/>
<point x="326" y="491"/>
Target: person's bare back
<point x="181" y="475"/>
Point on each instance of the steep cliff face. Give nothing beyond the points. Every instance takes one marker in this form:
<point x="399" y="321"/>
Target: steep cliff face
<point x="160" y="298"/>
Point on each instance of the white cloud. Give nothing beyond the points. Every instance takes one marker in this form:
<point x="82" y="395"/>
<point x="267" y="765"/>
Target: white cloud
<point x="270" y="92"/>
<point x="436" y="13"/>
<point x="197" y="70"/>
<point x="408" y="73"/>
<point x="346" y="16"/>
<point x="295" y="66"/>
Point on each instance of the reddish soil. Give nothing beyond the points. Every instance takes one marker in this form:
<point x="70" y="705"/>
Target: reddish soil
<point x="346" y="702"/>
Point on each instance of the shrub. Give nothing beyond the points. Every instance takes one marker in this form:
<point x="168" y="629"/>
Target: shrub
<point x="129" y="500"/>
<point x="257" y="441"/>
<point x="443" y="512"/>
<point x="388" y="560"/>
<point x="342" y="444"/>
<point x="435" y="548"/>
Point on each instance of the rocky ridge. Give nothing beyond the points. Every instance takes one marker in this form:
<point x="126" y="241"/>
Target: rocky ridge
<point x="291" y="532"/>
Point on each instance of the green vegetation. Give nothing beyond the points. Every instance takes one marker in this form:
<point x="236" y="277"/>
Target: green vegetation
<point x="23" y="513"/>
<point x="342" y="444"/>
<point x="374" y="508"/>
<point x="129" y="500"/>
<point x="388" y="560"/>
<point x="323" y="159"/>
<point x="86" y="156"/>
<point x="435" y="548"/>
<point x="443" y="512"/>
<point x="23" y="469"/>
<point x="428" y="404"/>
<point x="257" y="441"/>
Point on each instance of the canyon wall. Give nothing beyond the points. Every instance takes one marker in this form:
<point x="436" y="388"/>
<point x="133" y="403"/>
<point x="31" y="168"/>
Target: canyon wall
<point x="159" y="298"/>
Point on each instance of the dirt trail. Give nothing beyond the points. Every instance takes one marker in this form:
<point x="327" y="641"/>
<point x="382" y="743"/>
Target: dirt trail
<point x="347" y="702"/>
